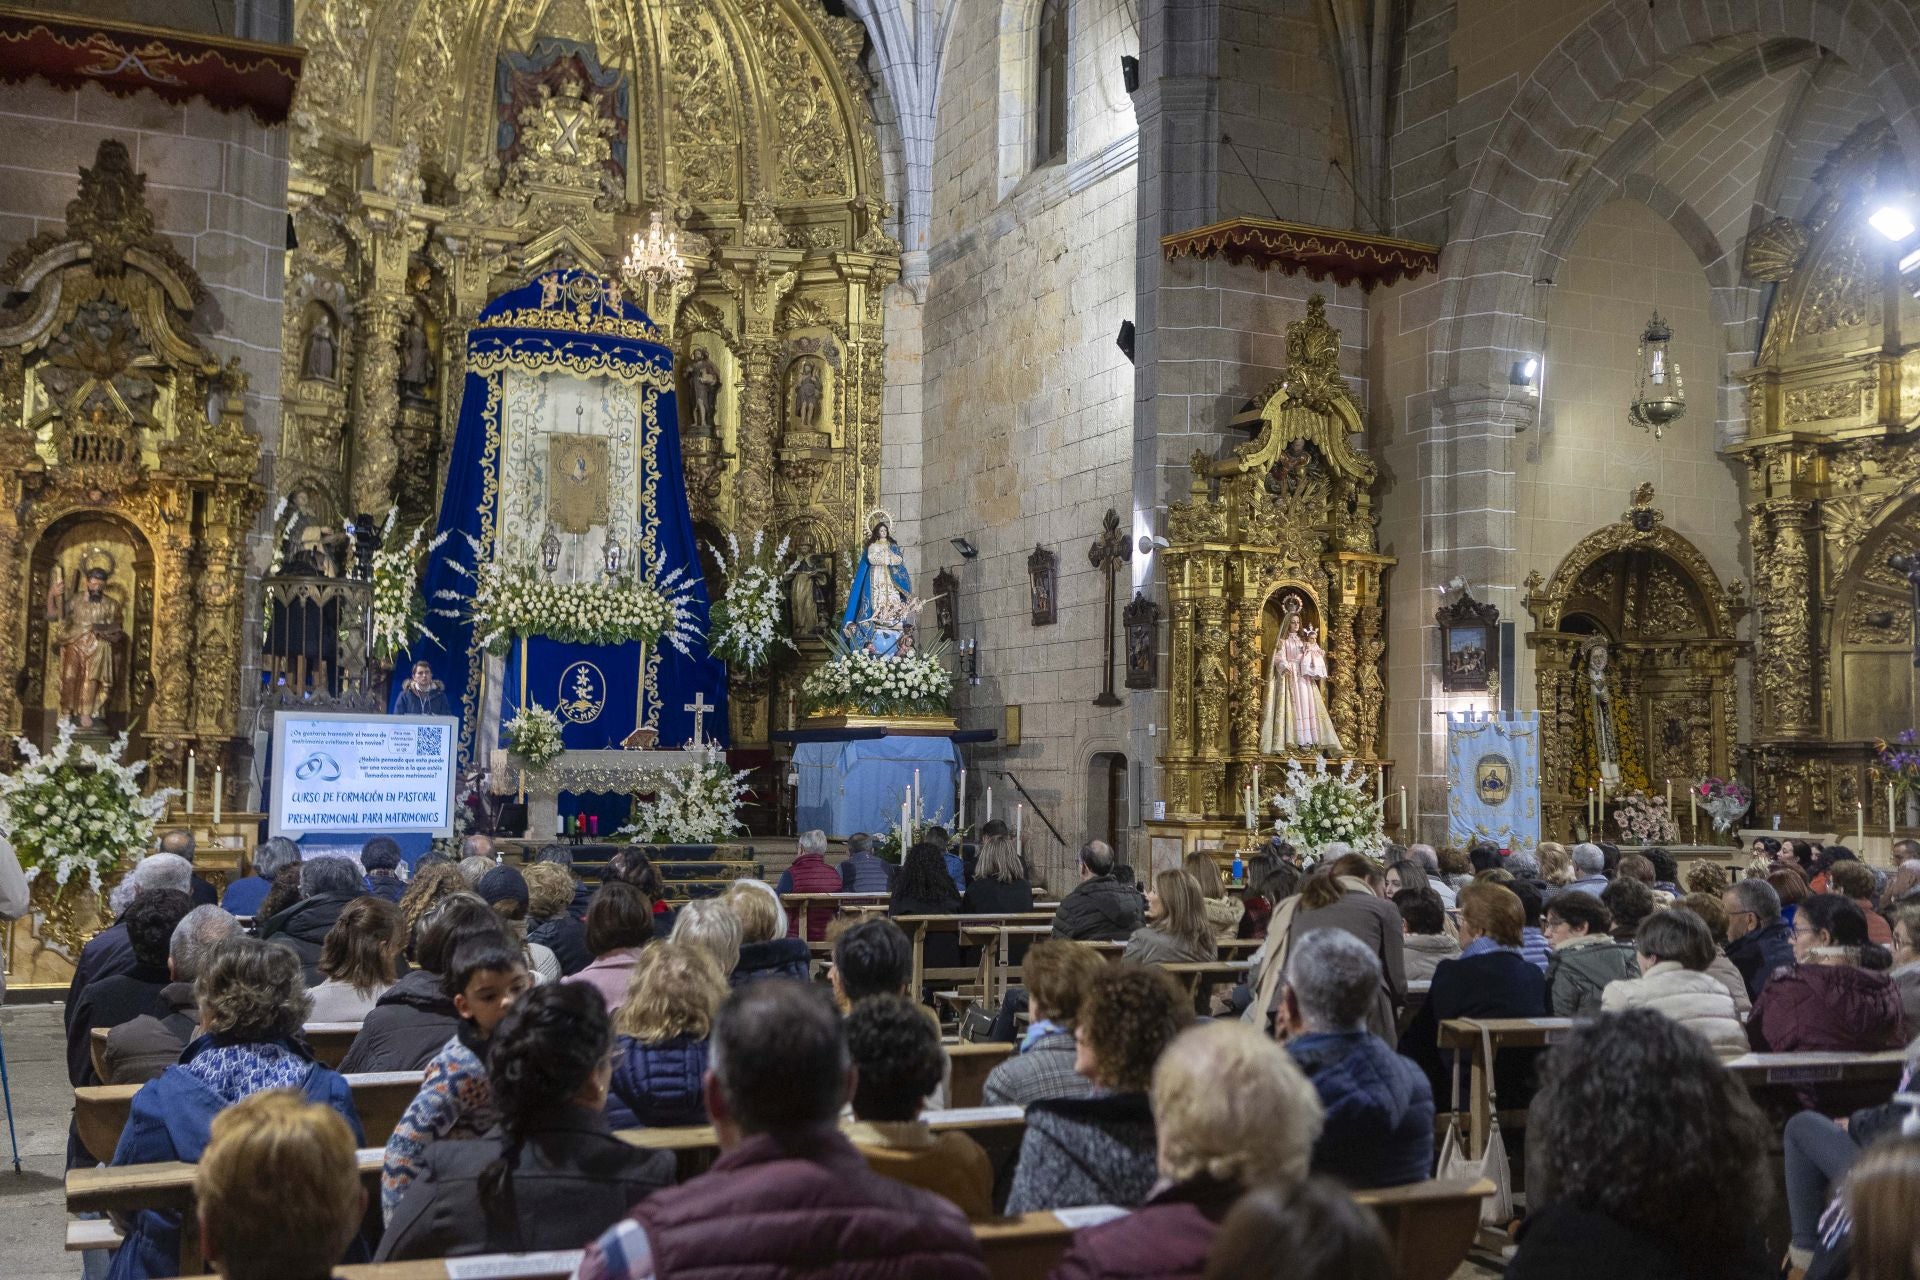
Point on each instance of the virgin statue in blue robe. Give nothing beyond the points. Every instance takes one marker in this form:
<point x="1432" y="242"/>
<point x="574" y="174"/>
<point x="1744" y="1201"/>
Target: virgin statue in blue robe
<point x="880" y="606"/>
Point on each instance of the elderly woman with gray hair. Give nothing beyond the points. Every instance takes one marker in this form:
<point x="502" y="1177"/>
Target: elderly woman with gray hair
<point x="1674" y="948"/>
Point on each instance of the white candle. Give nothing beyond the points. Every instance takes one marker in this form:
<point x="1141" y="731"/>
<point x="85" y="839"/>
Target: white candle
<point x="906" y="825"/>
<point x="192" y="777"/>
<point x="1859" y="827"/>
<point x="1589" y="808"/>
<point x="1693" y="813"/>
<point x="1669" y="795"/>
<point x="1601" y="813"/>
<point x="1403" y="810"/>
<point x="219" y="776"/>
<point x="1019" y="827"/>
<point x="960" y="807"/>
<point x="1380" y="786"/>
<point x="989" y="817"/>
<point x="919" y="806"/>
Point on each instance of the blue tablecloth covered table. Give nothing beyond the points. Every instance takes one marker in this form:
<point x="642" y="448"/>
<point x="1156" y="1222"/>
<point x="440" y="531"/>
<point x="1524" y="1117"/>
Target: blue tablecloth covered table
<point x="857" y="786"/>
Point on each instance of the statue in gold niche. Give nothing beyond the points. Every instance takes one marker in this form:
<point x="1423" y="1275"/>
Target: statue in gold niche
<point x="85" y="630"/>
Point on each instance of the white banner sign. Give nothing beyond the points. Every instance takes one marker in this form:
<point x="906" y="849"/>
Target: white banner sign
<point x="362" y="774"/>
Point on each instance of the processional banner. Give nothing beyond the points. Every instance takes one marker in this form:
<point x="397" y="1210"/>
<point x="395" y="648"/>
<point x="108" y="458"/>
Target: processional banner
<point x="567" y="460"/>
<point x="1493" y="779"/>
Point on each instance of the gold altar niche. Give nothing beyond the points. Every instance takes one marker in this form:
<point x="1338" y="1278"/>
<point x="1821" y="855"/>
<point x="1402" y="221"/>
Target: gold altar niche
<point x="1647" y="598"/>
<point x="123" y="448"/>
<point x="448" y="150"/>
<point x="1833" y="491"/>
<point x="1287" y="516"/>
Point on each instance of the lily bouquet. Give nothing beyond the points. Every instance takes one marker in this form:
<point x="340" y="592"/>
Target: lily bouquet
<point x="399" y="609"/>
<point x="1319" y="806"/>
<point x="748" y="621"/>
<point x="75" y="813"/>
<point x="509" y="601"/>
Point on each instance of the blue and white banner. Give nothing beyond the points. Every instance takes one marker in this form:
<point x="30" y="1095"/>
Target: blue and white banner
<point x="1493" y="779"/>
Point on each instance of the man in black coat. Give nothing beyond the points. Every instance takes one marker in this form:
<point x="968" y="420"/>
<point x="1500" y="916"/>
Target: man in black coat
<point x="380" y="857"/>
<point x="108" y="953"/>
<point x="109" y="1002"/>
<point x="1759" y="942"/>
<point x="327" y="885"/>
<point x="1100" y="908"/>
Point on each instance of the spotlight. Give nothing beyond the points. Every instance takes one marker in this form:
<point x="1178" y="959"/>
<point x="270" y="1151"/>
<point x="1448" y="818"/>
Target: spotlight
<point x="1152" y="542"/>
<point x="1892" y="221"/>
<point x="1125" y="340"/>
<point x="1526" y="373"/>
<point x="966" y="549"/>
<point x="1130" y="72"/>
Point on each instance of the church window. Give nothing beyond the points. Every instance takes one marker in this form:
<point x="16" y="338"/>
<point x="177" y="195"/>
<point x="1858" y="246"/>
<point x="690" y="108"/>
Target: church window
<point x="1050" y="84"/>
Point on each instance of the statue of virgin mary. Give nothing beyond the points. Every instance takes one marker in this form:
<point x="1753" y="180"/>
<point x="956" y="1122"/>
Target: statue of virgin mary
<point x="881" y="604"/>
<point x="1295" y="717"/>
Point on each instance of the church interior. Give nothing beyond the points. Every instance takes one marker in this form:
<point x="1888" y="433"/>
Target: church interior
<point x="1175" y="428"/>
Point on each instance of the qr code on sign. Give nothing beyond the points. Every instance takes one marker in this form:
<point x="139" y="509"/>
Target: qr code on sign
<point x="429" y="739"/>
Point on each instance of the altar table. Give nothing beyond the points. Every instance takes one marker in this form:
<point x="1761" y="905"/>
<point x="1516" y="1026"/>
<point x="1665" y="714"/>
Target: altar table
<point x="589" y="772"/>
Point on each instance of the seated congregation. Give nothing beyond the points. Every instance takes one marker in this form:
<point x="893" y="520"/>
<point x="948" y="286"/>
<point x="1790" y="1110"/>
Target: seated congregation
<point x="712" y="1090"/>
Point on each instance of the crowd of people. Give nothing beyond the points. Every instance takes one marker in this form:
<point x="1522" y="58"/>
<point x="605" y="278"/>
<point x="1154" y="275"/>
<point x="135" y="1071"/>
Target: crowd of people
<point x="543" y="1013"/>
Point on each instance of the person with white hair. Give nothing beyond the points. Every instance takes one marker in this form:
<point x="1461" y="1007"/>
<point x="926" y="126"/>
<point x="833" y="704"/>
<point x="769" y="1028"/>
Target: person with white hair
<point x="180" y="843"/>
<point x="1522" y="865"/>
<point x="1590" y="862"/>
<point x="138" y="1051"/>
<point x="1429" y="861"/>
<point x="110" y="952"/>
<point x="244" y="895"/>
<point x="810" y="874"/>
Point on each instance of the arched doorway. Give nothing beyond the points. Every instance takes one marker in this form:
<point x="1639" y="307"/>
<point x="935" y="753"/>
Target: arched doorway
<point x="1107" y="800"/>
<point x="1647" y="596"/>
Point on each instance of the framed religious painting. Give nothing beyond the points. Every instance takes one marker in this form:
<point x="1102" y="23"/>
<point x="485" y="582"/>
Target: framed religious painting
<point x="946" y="603"/>
<point x="1043" y="586"/>
<point x="1469" y="632"/>
<point x="1142" y="620"/>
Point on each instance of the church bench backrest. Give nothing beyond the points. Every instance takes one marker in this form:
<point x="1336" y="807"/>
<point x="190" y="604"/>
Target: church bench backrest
<point x="380" y="1098"/>
<point x="972" y="1064"/>
<point x="328" y="1040"/>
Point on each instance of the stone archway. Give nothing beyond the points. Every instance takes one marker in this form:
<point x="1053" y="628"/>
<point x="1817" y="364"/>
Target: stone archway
<point x="1668" y="625"/>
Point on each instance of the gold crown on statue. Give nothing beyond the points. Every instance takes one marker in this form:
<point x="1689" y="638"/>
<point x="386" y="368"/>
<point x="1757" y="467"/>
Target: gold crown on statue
<point x="1291" y="604"/>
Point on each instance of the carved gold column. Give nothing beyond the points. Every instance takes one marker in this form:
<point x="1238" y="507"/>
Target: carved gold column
<point x="760" y="279"/>
<point x="1784" y="576"/>
<point x="376" y="444"/>
<point x="169" y="716"/>
<point x="16" y="454"/>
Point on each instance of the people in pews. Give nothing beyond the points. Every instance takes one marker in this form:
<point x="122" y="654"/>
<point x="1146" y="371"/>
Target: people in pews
<point x="1491" y="979"/>
<point x="863" y="871"/>
<point x="1533" y="939"/>
<point x="660" y="1054"/>
<point x="244" y="895"/>
<point x="140" y="1049"/>
<point x="810" y="873"/>
<point x="1223" y="909"/>
<point x="109" y="953"/>
<point x="433" y="882"/>
<point x="765" y="949"/>
<point x="327" y="885"/>
<point x="619" y="923"/>
<point x="1853" y="879"/>
<point x="1673" y="949"/>
<point x="713" y="926"/>
<point x="253" y="1002"/>
<point x="1585" y="955"/>
<point x="1232" y="1112"/>
<point x="1100" y="1149"/>
<point x="1589" y="868"/>
<point x="1712" y="914"/>
<point x="780" y="1075"/>
<point x="1631" y="902"/>
<point x="1819" y="1153"/>
<point x="897" y="1063"/>
<point x="873" y="958"/>
<point x="409" y="1024"/>
<point x="1427" y="941"/>
<point x="505" y="890"/>
<point x="483" y="979"/>
<point x="1316" y="1233"/>
<point x="278" y="1190"/>
<point x="109" y="1002"/>
<point x="1099" y="908"/>
<point x="1759" y="941"/>
<point x="1345" y="896"/>
<point x="358" y="960"/>
<point x="1905" y="952"/>
<point x="551" y="1175"/>
<point x="550" y="890"/>
<point x="1057" y="974"/>
<point x="924" y="887"/>
<point x="561" y="856"/>
<point x="999" y="883"/>
<point x="380" y="859"/>
<point x="634" y="867"/>
<point x="1645" y="1157"/>
<point x="1177" y="929"/>
<point x="1827" y="1001"/>
<point x="1273" y="880"/>
<point x="1378" y="1106"/>
<point x="1791" y="885"/>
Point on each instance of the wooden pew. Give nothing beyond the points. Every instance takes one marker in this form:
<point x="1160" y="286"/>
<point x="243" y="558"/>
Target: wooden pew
<point x="918" y="927"/>
<point x="100" y="1111"/>
<point x="328" y="1040"/>
<point x="1463" y="1034"/>
<point x="800" y="906"/>
<point x="695" y="1147"/>
<point x="972" y="1064"/>
<point x="1432" y="1225"/>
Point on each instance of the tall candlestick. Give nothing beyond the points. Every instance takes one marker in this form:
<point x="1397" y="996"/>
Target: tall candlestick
<point x="219" y="777"/>
<point x="989" y="817"/>
<point x="919" y="805"/>
<point x="1693" y="813"/>
<point x="1669" y="795"/>
<point x="1589" y="808"/>
<point x="1246" y="799"/>
<point x="193" y="776"/>
<point x="1601" y="814"/>
<point x="1380" y="787"/>
<point x="906" y="825"/>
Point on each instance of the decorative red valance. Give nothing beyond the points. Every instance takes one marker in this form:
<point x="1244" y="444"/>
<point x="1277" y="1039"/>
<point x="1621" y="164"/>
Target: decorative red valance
<point x="1347" y="256"/>
<point x="71" y="50"/>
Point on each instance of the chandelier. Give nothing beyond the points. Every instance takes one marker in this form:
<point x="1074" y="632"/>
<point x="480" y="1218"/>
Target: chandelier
<point x="1659" y="399"/>
<point x="655" y="259"/>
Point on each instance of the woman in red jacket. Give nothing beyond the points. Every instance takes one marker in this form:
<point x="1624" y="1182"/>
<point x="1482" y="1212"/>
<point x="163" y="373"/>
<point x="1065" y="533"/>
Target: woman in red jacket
<point x="1827" y="1002"/>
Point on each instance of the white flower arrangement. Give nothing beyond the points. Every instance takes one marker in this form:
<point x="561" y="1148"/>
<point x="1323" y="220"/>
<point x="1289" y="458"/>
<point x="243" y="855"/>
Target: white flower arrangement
<point x="854" y="682"/>
<point x="1319" y="806"/>
<point x="509" y="601"/>
<point x="696" y="806"/>
<point x="399" y="610"/>
<point x="76" y="813"/>
<point x="748" y="621"/>
<point x="533" y="735"/>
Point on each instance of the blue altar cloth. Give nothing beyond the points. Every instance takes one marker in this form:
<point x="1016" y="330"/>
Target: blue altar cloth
<point x="857" y="786"/>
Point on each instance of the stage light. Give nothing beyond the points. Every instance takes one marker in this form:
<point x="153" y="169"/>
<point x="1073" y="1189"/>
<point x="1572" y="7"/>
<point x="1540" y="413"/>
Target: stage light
<point x="1526" y="373"/>
<point x="966" y="549"/>
<point x="1893" y="221"/>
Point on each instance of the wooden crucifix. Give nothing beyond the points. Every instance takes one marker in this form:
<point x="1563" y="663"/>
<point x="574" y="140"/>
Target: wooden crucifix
<point x="1109" y="551"/>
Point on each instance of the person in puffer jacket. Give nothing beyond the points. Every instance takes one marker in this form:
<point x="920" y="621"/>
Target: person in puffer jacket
<point x="1828" y="1002"/>
<point x="1674" y="949"/>
<point x="1378" y="1130"/>
<point x="660" y="1055"/>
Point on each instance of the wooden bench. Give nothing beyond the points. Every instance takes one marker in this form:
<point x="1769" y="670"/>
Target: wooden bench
<point x="381" y="1098"/>
<point x="972" y="1064"/>
<point x="800" y="906"/>
<point x="1463" y="1035"/>
<point x="328" y="1040"/>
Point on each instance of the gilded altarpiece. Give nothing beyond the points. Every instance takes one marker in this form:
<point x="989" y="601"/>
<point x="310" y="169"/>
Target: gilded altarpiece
<point x="445" y="151"/>
<point x="1833" y="491"/>
<point x="1287" y="515"/>
<point x="1647" y="597"/>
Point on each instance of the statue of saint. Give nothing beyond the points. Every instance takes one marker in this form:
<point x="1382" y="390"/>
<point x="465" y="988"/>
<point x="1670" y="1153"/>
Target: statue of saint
<point x="416" y="360"/>
<point x="84" y="632"/>
<point x="703" y="390"/>
<point x="321" y="351"/>
<point x="880" y="607"/>
<point x="1295" y="715"/>
<point x="1606" y="744"/>
<point x="806" y="397"/>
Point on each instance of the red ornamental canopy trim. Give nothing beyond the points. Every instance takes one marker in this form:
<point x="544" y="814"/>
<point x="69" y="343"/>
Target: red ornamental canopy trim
<point x="123" y="58"/>
<point x="1347" y="256"/>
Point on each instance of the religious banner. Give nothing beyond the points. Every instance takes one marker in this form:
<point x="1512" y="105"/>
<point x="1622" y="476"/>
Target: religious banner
<point x="1493" y="780"/>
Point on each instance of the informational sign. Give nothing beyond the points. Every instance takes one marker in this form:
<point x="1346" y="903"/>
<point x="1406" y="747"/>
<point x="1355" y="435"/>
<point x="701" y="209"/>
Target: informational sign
<point x="362" y="774"/>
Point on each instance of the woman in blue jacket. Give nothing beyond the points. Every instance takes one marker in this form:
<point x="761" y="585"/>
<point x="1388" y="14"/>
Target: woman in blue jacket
<point x="253" y="1000"/>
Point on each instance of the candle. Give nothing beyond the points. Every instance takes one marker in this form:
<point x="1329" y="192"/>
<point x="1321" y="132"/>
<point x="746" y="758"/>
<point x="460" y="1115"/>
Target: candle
<point x="593" y="824"/>
<point x="919" y="803"/>
<point x="960" y="807"/>
<point x="989" y="817"/>
<point x="1669" y="795"/>
<point x="1019" y="827"/>
<point x="1403" y="811"/>
<point x="219" y="777"/>
<point x="1589" y="808"/>
<point x="192" y="777"/>
<point x="1859" y="827"/>
<point x="1693" y="812"/>
<point x="1380" y="787"/>
<point x="906" y="824"/>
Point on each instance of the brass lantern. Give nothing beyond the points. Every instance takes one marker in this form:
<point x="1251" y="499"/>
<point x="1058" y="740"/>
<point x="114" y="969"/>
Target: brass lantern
<point x="1659" y="399"/>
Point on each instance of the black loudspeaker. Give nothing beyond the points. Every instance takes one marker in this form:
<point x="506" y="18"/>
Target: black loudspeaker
<point x="1130" y="72"/>
<point x="1125" y="340"/>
